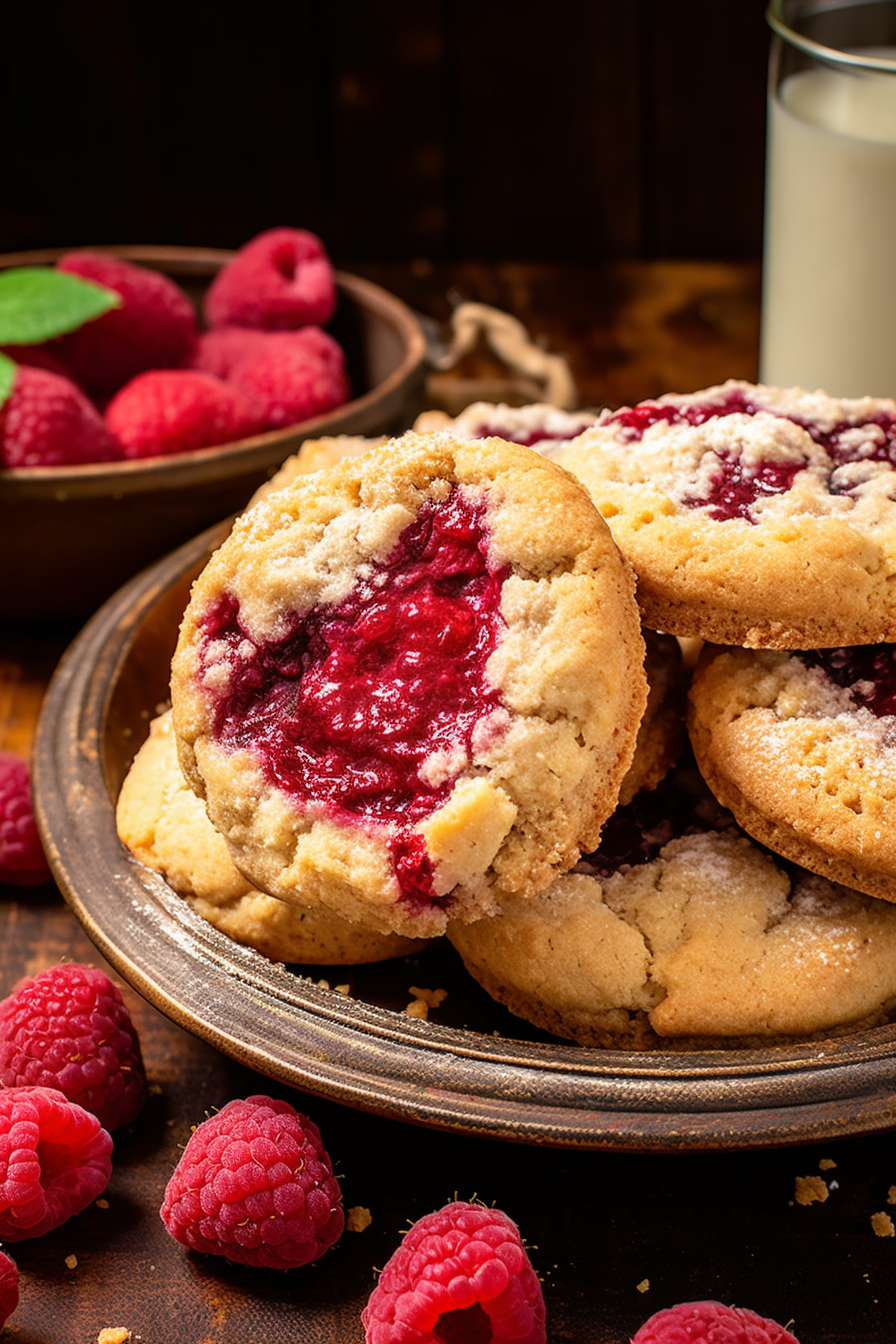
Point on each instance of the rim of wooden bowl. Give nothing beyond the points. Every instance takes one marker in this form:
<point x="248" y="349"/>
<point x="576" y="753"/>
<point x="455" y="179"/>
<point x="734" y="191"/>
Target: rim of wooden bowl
<point x="353" y="1051"/>
<point x="219" y="462"/>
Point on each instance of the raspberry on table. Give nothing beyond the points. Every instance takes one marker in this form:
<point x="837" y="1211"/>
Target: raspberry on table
<point x="710" y="1323"/>
<point x="22" y="860"/>
<point x="155" y="327"/>
<point x="9" y="1288"/>
<point x="55" y="1159"/>
<point x="280" y="280"/>
<point x="69" y="1028"/>
<point x="293" y="376"/>
<point x="170" y="411"/>
<point x="254" y="1184"/>
<point x="460" y="1275"/>
<point x="48" y="422"/>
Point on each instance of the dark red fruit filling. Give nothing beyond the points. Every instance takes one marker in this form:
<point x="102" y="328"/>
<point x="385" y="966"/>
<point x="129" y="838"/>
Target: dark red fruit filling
<point x="528" y="438"/>
<point x="635" y="833"/>
<point x="867" y="672"/>
<point x="736" y="488"/>
<point x="638" y="419"/>
<point x="347" y="706"/>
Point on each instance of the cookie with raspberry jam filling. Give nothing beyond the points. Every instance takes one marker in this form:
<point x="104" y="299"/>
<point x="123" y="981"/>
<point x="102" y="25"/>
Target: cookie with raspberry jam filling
<point x="802" y="748"/>
<point x="411" y="684"/>
<point x="755" y="516"/>
<point x="546" y="428"/>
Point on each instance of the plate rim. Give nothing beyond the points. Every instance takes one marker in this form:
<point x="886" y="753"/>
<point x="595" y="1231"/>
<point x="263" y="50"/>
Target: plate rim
<point x="375" y="1059"/>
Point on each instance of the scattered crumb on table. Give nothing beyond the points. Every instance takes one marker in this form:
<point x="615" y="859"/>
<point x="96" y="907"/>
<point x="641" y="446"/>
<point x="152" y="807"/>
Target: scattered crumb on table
<point x="113" y="1334"/>
<point x="102" y="1203"/>
<point x="71" y="1262"/>
<point x="882" y="1225"/>
<point x="826" y="1164"/>
<point x="357" y="1219"/>
<point x="643" y="1286"/>
<point x="810" y="1190"/>
<point x="891" y="1195"/>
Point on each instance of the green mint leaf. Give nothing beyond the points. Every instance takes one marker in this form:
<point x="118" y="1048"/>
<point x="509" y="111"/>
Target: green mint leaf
<point x="8" y="371"/>
<point x="38" y="303"/>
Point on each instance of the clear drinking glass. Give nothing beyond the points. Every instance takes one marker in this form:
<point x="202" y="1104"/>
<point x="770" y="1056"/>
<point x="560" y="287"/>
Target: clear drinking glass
<point x="829" y="266"/>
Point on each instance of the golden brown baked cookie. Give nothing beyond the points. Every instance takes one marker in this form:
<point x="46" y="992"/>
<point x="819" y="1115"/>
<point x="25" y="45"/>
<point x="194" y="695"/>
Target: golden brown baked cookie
<point x="315" y="455"/>
<point x="411" y="685"/>
<point x="754" y="516"/>
<point x="164" y="825"/>
<point x="539" y="425"/>
<point x="703" y="939"/>
<point x="802" y="748"/>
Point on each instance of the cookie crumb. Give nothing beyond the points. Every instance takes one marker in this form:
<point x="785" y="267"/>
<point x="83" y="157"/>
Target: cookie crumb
<point x="323" y="984"/>
<point x="643" y="1286"/>
<point x="423" y="1000"/>
<point x="342" y="989"/>
<point x="113" y="1334"/>
<point x="882" y="1225"/>
<point x="357" y="1219"/>
<point x="71" y="1261"/>
<point x="810" y="1189"/>
<point x="891" y="1195"/>
<point x="827" y="1164"/>
<point x="102" y="1203"/>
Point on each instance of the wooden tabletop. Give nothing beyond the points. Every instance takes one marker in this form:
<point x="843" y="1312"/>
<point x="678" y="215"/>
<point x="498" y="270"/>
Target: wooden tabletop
<point x="614" y="1237"/>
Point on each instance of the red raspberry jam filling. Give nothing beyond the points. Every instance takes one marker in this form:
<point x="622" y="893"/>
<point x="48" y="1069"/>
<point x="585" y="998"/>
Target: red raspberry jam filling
<point x="528" y="438"/>
<point x="735" y="488"/>
<point x="342" y="712"/>
<point x="868" y="672"/>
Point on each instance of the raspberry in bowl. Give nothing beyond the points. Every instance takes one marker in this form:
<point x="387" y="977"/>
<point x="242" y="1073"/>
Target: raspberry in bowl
<point x="74" y="531"/>
<point x="411" y="684"/>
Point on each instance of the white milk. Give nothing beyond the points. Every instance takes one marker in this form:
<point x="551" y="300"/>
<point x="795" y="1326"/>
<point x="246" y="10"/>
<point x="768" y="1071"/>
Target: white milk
<point x="829" y="273"/>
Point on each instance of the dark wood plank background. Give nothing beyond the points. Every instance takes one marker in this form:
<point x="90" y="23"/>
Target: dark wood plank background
<point x="577" y="131"/>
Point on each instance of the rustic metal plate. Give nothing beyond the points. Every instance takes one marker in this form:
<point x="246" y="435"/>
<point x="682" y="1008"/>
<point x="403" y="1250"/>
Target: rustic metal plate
<point x="476" y="1069"/>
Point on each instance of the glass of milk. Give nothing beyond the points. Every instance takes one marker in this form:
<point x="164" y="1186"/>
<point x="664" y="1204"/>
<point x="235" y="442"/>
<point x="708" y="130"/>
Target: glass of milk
<point x="829" y="266"/>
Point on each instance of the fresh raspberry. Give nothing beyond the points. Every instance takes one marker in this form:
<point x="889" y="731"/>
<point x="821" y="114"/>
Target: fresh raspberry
<point x="9" y="1288"/>
<point x="176" y="410"/>
<point x="22" y="859"/>
<point x="461" y="1274"/>
<point x="155" y="327"/>
<point x="217" y="351"/>
<point x="280" y="280"/>
<point x="36" y="357"/>
<point x="293" y="376"/>
<point x="48" y="422"/>
<point x="68" y="1028"/>
<point x="255" y="1184"/>
<point x="55" y="1158"/>
<point x="710" y="1323"/>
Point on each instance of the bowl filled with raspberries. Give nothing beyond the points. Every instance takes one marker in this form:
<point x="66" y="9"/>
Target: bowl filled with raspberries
<point x="146" y="391"/>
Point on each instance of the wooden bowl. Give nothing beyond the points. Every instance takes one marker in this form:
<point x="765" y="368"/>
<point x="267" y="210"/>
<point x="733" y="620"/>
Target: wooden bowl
<point x="474" y="1068"/>
<point x="72" y="535"/>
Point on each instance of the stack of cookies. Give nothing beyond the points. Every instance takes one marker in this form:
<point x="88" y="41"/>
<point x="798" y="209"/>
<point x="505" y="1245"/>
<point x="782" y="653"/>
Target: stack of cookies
<point x="413" y="695"/>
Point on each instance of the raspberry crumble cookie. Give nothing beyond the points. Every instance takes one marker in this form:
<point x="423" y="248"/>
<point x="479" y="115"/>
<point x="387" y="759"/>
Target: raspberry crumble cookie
<point x="755" y="516"/>
<point x="546" y="428"/>
<point x="164" y="825"/>
<point x="802" y="748"/>
<point x="679" y="930"/>
<point x="411" y="685"/>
